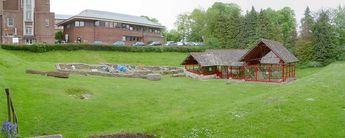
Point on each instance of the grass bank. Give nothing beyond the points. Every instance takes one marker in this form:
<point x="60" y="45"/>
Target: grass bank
<point x="313" y="106"/>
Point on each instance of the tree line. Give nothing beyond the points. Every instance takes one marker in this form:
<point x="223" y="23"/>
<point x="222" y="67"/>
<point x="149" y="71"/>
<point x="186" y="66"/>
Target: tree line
<point x="223" y="26"/>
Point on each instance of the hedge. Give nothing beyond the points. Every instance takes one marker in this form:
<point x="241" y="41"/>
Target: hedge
<point x="41" y="48"/>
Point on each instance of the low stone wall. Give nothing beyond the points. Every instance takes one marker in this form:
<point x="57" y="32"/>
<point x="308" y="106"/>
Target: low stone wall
<point x="109" y="70"/>
<point x="199" y="77"/>
<point x="112" y="68"/>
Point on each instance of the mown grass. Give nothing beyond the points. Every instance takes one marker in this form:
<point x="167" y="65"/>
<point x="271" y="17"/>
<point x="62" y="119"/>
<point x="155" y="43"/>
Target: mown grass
<point x="313" y="106"/>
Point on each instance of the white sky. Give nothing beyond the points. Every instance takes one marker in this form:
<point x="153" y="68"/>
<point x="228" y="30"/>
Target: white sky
<point x="166" y="11"/>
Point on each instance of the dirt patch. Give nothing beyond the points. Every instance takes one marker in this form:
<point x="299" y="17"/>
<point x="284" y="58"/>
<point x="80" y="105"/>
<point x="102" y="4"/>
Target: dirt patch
<point x="126" y="135"/>
<point x="80" y="93"/>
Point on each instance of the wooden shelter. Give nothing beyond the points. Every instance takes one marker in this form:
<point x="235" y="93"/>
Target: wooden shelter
<point x="214" y="62"/>
<point x="268" y="61"/>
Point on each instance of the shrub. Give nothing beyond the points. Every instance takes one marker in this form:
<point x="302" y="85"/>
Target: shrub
<point x="41" y="48"/>
<point x="59" y="36"/>
<point x="342" y="54"/>
<point x="314" y="64"/>
<point x="213" y="43"/>
<point x="304" y="51"/>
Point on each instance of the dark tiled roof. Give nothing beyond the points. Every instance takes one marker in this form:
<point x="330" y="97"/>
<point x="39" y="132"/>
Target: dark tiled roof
<point x="278" y="49"/>
<point x="218" y="57"/>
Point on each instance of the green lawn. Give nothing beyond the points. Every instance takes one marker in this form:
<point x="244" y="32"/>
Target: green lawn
<point x="313" y="106"/>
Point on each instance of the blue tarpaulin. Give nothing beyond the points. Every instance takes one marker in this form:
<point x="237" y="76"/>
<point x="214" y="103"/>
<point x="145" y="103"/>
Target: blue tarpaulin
<point x="121" y="68"/>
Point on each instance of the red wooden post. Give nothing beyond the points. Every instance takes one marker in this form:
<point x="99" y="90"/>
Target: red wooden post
<point x="294" y="70"/>
<point x="227" y="72"/>
<point x="283" y="74"/>
<point x="231" y="72"/>
<point x="269" y="73"/>
<point x="244" y="72"/>
<point x="289" y="70"/>
<point x="256" y="72"/>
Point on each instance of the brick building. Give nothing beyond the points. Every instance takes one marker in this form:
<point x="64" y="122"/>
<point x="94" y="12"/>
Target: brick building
<point x="92" y="26"/>
<point x="26" y="21"/>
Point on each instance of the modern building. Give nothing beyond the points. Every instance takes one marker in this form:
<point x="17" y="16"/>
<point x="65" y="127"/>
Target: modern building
<point x="268" y="61"/>
<point x="26" y="22"/>
<point x="92" y="26"/>
<point x="60" y="18"/>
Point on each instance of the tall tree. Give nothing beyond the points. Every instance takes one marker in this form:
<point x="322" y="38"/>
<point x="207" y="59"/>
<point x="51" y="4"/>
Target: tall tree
<point x="172" y="35"/>
<point x="339" y="22"/>
<point x="304" y="47"/>
<point x="198" y="25"/>
<point x="249" y="28"/>
<point x="307" y="23"/>
<point x="183" y="24"/>
<point x="223" y="24"/>
<point x="287" y="23"/>
<point x="265" y="25"/>
<point x="324" y="40"/>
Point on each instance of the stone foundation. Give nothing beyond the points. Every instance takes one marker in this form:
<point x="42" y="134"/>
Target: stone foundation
<point x="110" y="70"/>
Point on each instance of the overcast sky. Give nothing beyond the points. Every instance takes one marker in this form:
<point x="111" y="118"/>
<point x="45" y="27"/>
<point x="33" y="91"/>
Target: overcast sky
<point x="166" y="11"/>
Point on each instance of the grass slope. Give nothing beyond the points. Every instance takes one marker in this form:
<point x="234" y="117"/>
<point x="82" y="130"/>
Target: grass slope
<point x="313" y="106"/>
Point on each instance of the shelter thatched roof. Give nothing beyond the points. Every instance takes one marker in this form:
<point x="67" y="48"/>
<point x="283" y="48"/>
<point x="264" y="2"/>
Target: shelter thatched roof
<point x="216" y="57"/>
<point x="275" y="47"/>
<point x="270" y="58"/>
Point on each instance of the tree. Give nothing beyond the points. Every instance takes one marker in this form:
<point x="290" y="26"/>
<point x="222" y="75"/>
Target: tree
<point x="198" y="25"/>
<point x="265" y="25"/>
<point x="59" y="36"/>
<point x="339" y="22"/>
<point x="304" y="51"/>
<point x="172" y="35"/>
<point x="223" y="24"/>
<point x="249" y="28"/>
<point x="304" y="47"/>
<point x="287" y="24"/>
<point x="183" y="24"/>
<point x="306" y="25"/>
<point x="324" y="40"/>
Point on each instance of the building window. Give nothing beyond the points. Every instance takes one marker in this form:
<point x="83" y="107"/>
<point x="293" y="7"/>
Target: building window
<point x="28" y="10"/>
<point x="107" y="24"/>
<point x="97" y="23"/>
<point x="28" y="41"/>
<point x="111" y="25"/>
<point x="10" y="22"/>
<point x="82" y="23"/>
<point x="28" y="31"/>
<point x="132" y="38"/>
<point x="76" y="24"/>
<point x="46" y="22"/>
<point x="79" y="24"/>
<point x="28" y="15"/>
